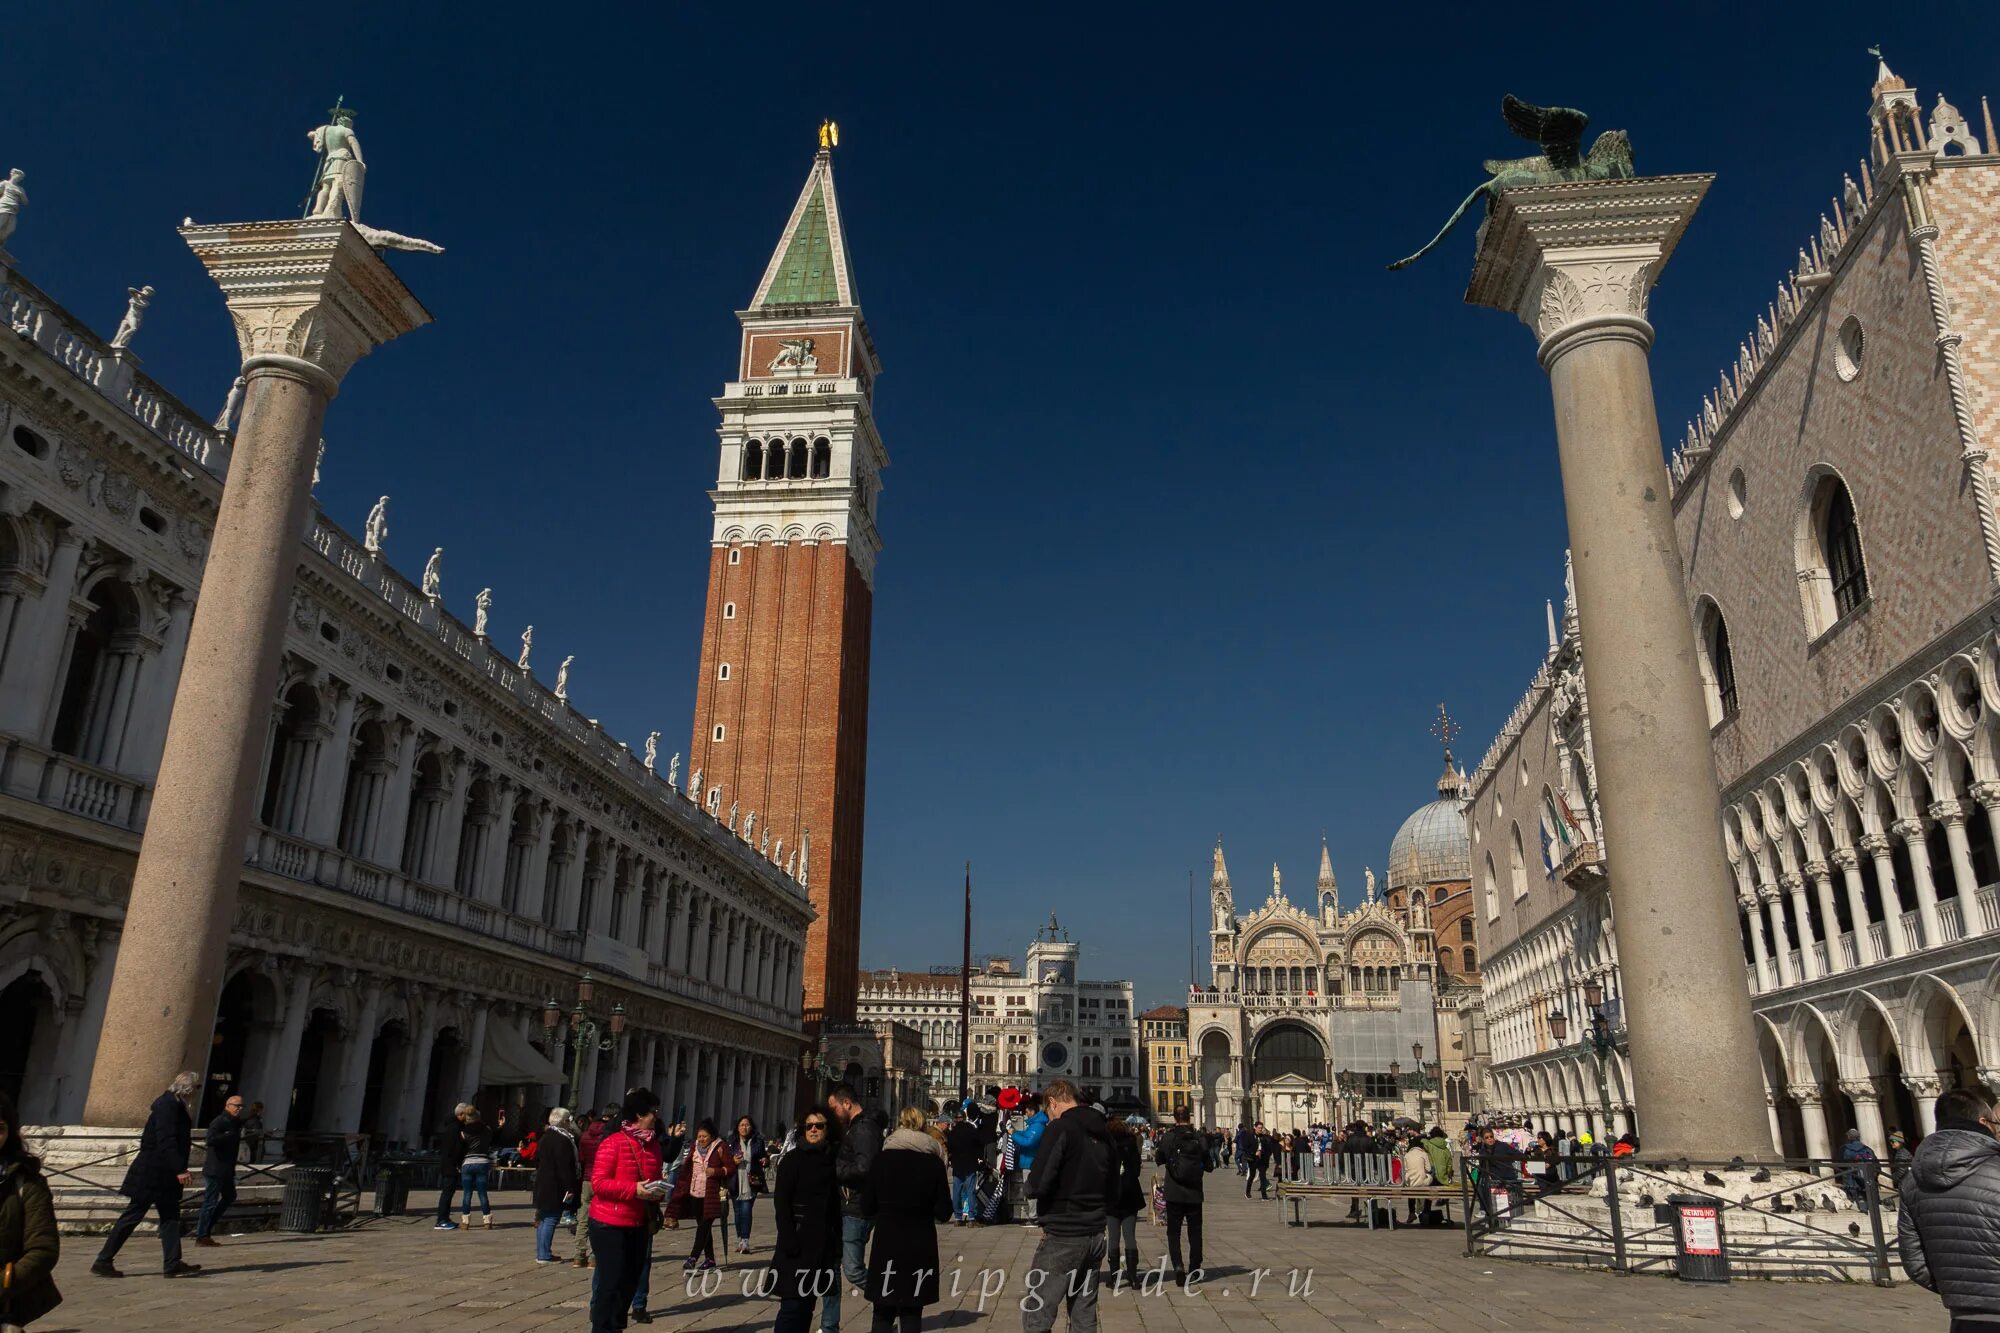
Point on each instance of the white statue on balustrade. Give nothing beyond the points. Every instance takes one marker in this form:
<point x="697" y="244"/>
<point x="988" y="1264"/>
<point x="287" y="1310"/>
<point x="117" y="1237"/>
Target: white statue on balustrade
<point x="434" y="574"/>
<point x="527" y="644"/>
<point x="230" y="407"/>
<point x="376" y="530"/>
<point x="732" y="815"/>
<point x="137" y="299"/>
<point x="562" y="677"/>
<point x="674" y="770"/>
<point x="12" y="200"/>
<point x="750" y="827"/>
<point x="482" y="606"/>
<point x="652" y="749"/>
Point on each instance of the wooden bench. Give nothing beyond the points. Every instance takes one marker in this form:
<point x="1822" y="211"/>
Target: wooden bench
<point x="1369" y="1196"/>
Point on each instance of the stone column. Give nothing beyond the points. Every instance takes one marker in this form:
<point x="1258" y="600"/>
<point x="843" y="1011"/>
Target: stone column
<point x="308" y="299"/>
<point x="141" y="753"/>
<point x="1795" y="885"/>
<point x="475" y="1050"/>
<point x="1829" y="916"/>
<point x="1813" y="1115"/>
<point x="284" y="1069"/>
<point x="1952" y="815"/>
<point x="1867" y="1113"/>
<point x="410" y="1126"/>
<point x="32" y="681"/>
<point x="1849" y="862"/>
<point x="1877" y="847"/>
<point x="353" y="1087"/>
<point x="85" y="1027"/>
<point x="1988" y="796"/>
<point x="1924" y="1091"/>
<point x="1911" y="831"/>
<point x="1774" y="903"/>
<point x="1777" y="1132"/>
<point x="1575" y="260"/>
<point x="326" y="788"/>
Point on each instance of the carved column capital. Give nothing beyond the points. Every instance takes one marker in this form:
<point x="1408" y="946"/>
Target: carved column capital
<point x="1577" y="259"/>
<point x="1816" y="871"/>
<point x="1923" y="1085"/>
<point x="1860" y="1089"/>
<point x="1909" y="830"/>
<point x="1805" y="1094"/>
<point x="1874" y="844"/>
<point x="1768" y="893"/>
<point x="1792" y="882"/>
<point x="307" y="297"/>
<point x="1986" y="793"/>
<point x="1846" y="858"/>
<point x="1948" y="812"/>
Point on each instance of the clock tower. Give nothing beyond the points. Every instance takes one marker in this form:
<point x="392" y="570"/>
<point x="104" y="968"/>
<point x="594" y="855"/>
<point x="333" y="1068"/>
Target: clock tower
<point x="781" y="704"/>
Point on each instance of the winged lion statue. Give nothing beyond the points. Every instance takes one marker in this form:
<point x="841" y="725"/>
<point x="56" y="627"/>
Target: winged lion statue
<point x="1559" y="130"/>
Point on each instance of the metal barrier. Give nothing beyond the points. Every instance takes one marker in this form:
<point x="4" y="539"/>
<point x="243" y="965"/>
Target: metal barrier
<point x="1796" y="1219"/>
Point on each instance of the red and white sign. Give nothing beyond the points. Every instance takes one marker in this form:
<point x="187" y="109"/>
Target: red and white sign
<point x="1701" y="1231"/>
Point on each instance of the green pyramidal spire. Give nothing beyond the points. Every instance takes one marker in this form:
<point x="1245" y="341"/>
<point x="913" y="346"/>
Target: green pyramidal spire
<point x="809" y="267"/>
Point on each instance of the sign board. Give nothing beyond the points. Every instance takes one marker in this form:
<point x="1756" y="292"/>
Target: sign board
<point x="1701" y="1234"/>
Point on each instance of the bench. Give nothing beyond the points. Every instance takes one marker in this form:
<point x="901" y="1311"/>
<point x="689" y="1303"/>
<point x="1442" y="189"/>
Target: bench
<point x="1369" y="1196"/>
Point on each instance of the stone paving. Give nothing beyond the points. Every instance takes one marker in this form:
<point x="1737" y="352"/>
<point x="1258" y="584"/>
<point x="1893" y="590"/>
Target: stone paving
<point x="399" y="1272"/>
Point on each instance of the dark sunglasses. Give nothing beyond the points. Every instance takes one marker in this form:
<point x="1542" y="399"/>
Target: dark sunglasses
<point x="815" y="1124"/>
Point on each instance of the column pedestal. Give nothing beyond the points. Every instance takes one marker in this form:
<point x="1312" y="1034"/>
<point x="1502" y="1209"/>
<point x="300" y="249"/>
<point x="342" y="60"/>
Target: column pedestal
<point x="1576" y="261"/>
<point x="308" y="299"/>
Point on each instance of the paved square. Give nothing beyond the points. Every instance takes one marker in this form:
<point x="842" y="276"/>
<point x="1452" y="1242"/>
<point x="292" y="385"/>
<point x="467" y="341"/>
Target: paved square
<point x="400" y="1273"/>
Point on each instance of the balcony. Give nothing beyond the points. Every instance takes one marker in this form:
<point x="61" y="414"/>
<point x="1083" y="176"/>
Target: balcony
<point x="1583" y="868"/>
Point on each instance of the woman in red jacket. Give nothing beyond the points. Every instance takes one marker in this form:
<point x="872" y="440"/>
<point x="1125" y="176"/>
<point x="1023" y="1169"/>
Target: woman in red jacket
<point x="704" y="1178"/>
<point x="625" y="1187"/>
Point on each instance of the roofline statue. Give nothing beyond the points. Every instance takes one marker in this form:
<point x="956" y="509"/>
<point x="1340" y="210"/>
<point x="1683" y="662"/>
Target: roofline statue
<point x="1559" y="130"/>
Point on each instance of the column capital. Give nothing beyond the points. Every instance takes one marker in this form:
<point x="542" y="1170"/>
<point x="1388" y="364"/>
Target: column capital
<point x="1860" y="1089"/>
<point x="1924" y="1085"/>
<point x="1817" y="871"/>
<point x="1768" y="893"/>
<point x="1986" y="793"/>
<point x="1846" y="858"/>
<point x="310" y="296"/>
<point x="1909" y="830"/>
<point x="1576" y="259"/>
<point x="1805" y="1094"/>
<point x="1792" y="882"/>
<point x="1873" y="843"/>
<point x="1948" y="812"/>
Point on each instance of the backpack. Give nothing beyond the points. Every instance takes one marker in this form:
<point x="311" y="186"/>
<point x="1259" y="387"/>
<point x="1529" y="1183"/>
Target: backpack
<point x="1188" y="1163"/>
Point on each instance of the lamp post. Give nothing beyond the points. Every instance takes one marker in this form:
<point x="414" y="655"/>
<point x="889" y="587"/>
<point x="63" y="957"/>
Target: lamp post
<point x="585" y="1033"/>
<point x="1599" y="1040"/>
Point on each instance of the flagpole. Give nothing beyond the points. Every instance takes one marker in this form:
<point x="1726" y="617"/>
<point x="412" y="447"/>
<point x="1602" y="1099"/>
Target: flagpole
<point x="1190" y="926"/>
<point x="965" y="999"/>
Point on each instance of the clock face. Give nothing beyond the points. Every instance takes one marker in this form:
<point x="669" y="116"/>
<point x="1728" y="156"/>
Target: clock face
<point x="1055" y="1055"/>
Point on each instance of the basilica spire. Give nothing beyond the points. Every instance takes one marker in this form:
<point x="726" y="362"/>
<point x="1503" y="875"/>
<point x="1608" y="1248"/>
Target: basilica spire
<point x="1326" y="881"/>
<point x="810" y="267"/>
<point x="1219" y="877"/>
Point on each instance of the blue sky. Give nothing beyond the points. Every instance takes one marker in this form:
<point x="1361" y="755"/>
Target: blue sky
<point x="1195" y="513"/>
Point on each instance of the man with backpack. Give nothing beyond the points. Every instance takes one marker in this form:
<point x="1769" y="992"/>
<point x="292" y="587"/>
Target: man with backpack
<point x="1184" y="1154"/>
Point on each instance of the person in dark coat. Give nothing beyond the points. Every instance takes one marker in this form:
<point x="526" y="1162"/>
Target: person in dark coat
<point x="1122" y="1204"/>
<point x="906" y="1195"/>
<point x="1948" y="1226"/>
<point x="558" y="1182"/>
<point x="861" y="1132"/>
<point x="451" y="1153"/>
<point x="963" y="1147"/>
<point x="1185" y="1156"/>
<point x="807" y="1203"/>
<point x="29" y="1245"/>
<point x="156" y="1178"/>
<point x="218" y="1169"/>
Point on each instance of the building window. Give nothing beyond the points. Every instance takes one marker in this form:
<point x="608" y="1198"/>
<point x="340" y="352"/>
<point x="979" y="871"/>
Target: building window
<point x="1471" y="959"/>
<point x="736" y="557"/>
<point x="1517" y="864"/>
<point x="729" y="610"/>
<point x="1492" y="890"/>
<point x="1379" y="1087"/>
<point x="719" y="733"/>
<point x="753" y="461"/>
<point x="822" y="458"/>
<point x="1465" y="928"/>
<point x="1833" y="577"/>
<point x="1717" y="663"/>
<point x="722" y="671"/>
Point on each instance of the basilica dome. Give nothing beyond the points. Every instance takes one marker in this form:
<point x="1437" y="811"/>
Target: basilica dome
<point x="1432" y="844"/>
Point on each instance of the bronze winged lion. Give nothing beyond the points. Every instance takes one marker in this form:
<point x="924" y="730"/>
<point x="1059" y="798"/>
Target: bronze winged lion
<point x="1559" y="130"/>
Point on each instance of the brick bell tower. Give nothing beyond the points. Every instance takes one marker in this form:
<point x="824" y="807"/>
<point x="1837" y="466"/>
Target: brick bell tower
<point x="781" y="707"/>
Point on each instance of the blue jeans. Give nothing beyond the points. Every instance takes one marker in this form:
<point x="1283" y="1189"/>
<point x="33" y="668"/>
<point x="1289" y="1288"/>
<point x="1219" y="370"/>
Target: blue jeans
<point x="853" y="1269"/>
<point x="472" y="1176"/>
<point x="545" y="1232"/>
<point x="217" y="1194"/>
<point x="964" y="1194"/>
<point x="743" y="1207"/>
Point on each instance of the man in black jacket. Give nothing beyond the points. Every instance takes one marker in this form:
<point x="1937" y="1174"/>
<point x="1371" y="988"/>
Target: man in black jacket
<point x="1070" y="1184"/>
<point x="155" y="1179"/>
<point x="218" y="1169"/>
<point x="1185" y="1155"/>
<point x="1948" y="1226"/>
<point x="963" y="1145"/>
<point x="860" y="1142"/>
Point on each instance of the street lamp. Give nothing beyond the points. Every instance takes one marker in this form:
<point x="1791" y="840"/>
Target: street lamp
<point x="584" y="1034"/>
<point x="1599" y="1039"/>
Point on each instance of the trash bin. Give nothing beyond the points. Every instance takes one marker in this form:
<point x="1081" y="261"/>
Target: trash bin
<point x="303" y="1207"/>
<point x="392" y="1189"/>
<point x="1700" y="1254"/>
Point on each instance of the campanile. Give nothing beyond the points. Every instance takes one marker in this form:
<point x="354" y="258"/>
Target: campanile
<point x="781" y="706"/>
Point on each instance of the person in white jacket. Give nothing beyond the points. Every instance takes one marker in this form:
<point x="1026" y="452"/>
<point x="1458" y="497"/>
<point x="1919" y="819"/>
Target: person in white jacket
<point x="1416" y="1171"/>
